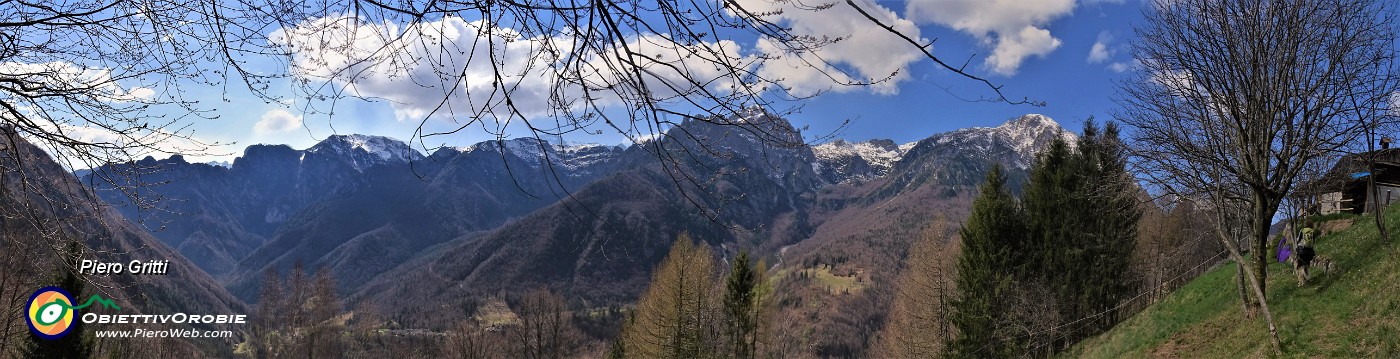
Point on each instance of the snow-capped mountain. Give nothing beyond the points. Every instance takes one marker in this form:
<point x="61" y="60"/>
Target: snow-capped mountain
<point x="752" y="140"/>
<point x="537" y="153"/>
<point x="751" y="167"/>
<point x="956" y="157"/>
<point x="1023" y="137"/>
<point x="840" y="161"/>
<point x="363" y="151"/>
<point x="959" y="159"/>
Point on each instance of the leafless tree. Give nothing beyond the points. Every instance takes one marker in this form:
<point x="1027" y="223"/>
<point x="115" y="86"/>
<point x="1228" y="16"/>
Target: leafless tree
<point x="544" y="330"/>
<point x="918" y="324"/>
<point x="648" y="60"/>
<point x="1235" y="98"/>
<point x="470" y="341"/>
<point x="18" y="277"/>
<point x="99" y="82"/>
<point x="323" y="337"/>
<point x="1376" y="117"/>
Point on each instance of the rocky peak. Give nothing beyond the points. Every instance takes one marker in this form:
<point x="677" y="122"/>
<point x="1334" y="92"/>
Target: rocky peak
<point x="1032" y="132"/>
<point x="1016" y="141"/>
<point x="383" y="147"/>
<point x="1030" y="122"/>
<point x="363" y="151"/>
<point x="840" y="161"/>
<point x="534" y="151"/>
<point x="884" y="144"/>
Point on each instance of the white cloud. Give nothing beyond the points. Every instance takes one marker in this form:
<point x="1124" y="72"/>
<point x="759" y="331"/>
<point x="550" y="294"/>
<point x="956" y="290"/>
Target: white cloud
<point x="1104" y="51"/>
<point x="865" y="52"/>
<point x="1101" y="52"/>
<point x="1395" y="103"/>
<point x="417" y="74"/>
<point x="1121" y="67"/>
<point x="671" y="69"/>
<point x="1177" y="83"/>
<point x="413" y="74"/>
<point x="1098" y="53"/>
<point x="68" y="77"/>
<point x="108" y="145"/>
<point x="93" y="135"/>
<point x="277" y="120"/>
<point x="1012" y="50"/>
<point x="1014" y="28"/>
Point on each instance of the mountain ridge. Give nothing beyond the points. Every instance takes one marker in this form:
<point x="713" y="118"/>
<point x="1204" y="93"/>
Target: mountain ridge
<point x="589" y="222"/>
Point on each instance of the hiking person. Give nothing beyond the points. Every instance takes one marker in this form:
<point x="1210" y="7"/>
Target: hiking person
<point x="1305" y="253"/>
<point x="1284" y="250"/>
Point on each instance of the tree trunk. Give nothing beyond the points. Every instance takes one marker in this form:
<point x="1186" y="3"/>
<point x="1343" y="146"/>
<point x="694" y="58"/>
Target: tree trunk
<point x="1263" y="217"/>
<point x="1263" y="303"/>
<point x="1246" y="303"/>
<point x="1257" y="285"/>
<point x="1268" y="317"/>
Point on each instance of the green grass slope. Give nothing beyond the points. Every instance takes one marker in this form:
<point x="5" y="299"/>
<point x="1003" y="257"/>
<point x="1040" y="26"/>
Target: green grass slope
<point x="1354" y="311"/>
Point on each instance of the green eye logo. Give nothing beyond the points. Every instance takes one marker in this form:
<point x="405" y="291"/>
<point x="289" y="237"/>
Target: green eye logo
<point x="51" y="311"/>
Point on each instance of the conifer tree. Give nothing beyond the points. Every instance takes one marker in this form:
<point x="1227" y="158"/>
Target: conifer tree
<point x="1053" y="211"/>
<point x="673" y="318"/>
<point x="1056" y="226"/>
<point x="993" y="233"/>
<point x="740" y="320"/>
<point x="1082" y="215"/>
<point x="1111" y="198"/>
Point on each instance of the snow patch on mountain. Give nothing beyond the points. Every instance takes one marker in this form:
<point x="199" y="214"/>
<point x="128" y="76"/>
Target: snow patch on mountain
<point x="1031" y="132"/>
<point x="878" y="153"/>
<point x="749" y="114"/>
<point x="840" y="161"/>
<point x="363" y="151"/>
<point x="538" y="153"/>
<point x="1022" y="137"/>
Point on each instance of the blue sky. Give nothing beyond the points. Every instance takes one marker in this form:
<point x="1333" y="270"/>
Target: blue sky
<point x="1060" y="73"/>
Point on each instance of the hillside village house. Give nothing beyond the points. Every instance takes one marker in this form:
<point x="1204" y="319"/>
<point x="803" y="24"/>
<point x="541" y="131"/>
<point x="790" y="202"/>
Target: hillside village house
<point x="1343" y="188"/>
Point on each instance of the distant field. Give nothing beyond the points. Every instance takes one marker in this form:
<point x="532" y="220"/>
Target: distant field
<point x="821" y="275"/>
<point x="495" y="312"/>
<point x="1352" y="312"/>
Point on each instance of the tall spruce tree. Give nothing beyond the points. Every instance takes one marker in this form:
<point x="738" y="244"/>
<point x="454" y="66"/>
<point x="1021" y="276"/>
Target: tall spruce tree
<point x="1053" y="216"/>
<point x="1111" y="198"/>
<point x="993" y="234"/>
<point x="1055" y="221"/>
<point x="1082" y="218"/>
<point x="739" y="293"/>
